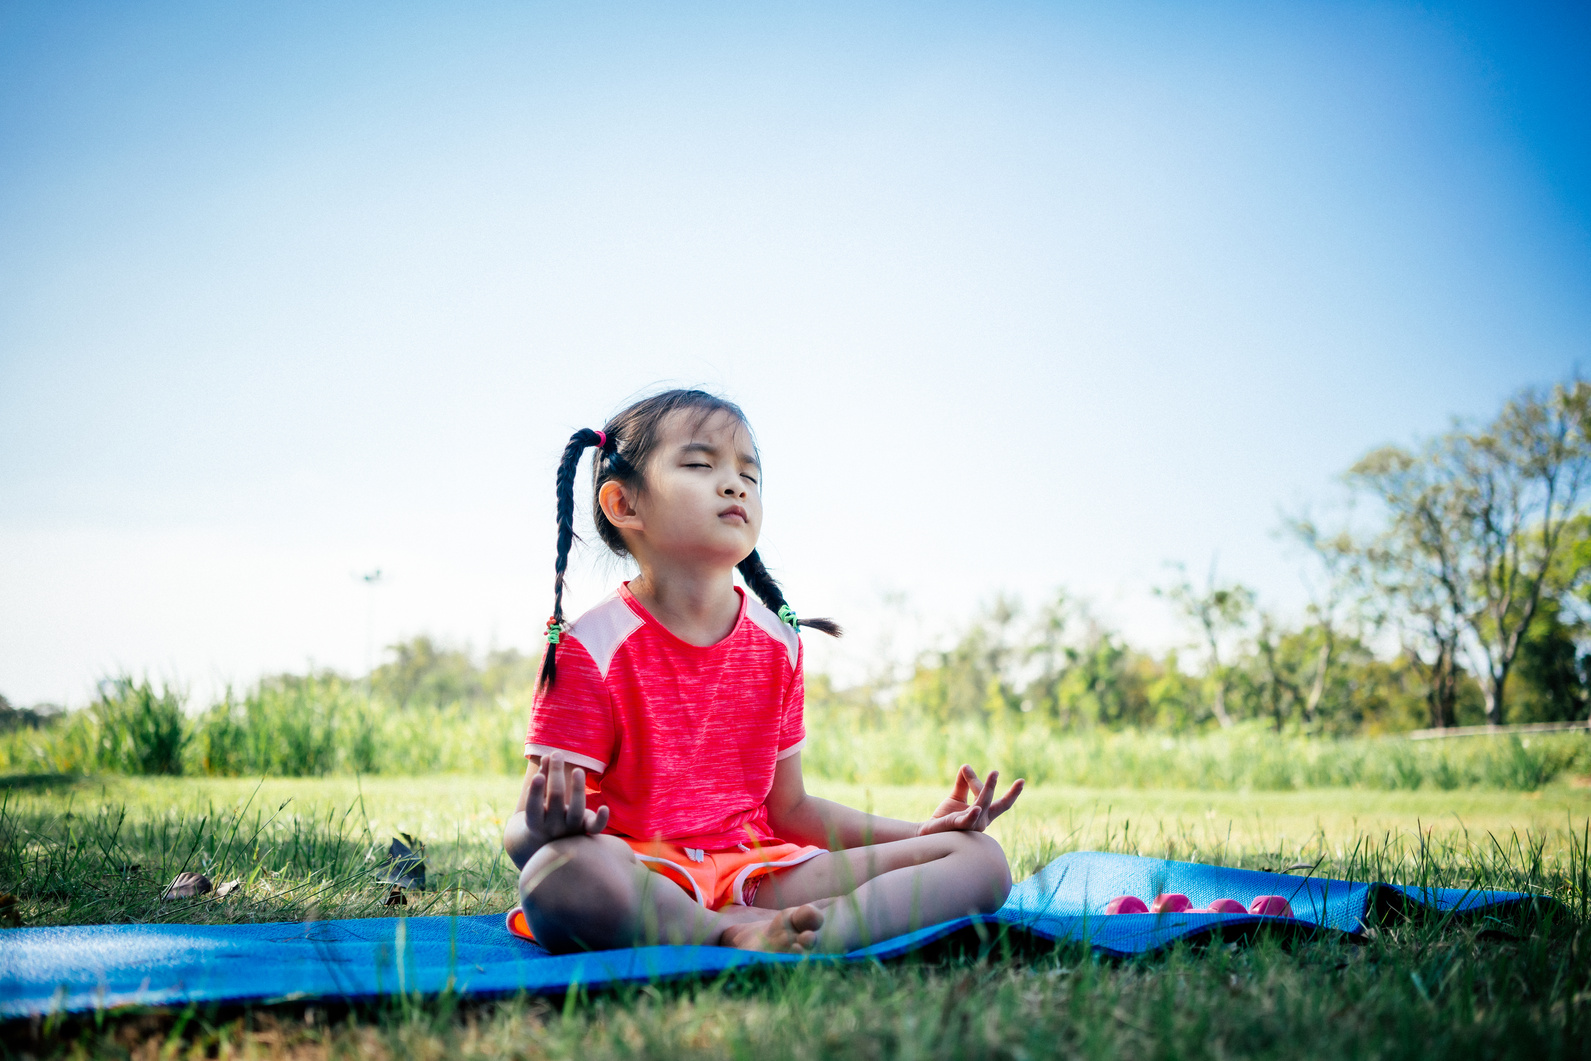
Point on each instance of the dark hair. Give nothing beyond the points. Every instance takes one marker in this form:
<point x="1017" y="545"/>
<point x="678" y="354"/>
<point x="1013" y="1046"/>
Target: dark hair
<point x="625" y="445"/>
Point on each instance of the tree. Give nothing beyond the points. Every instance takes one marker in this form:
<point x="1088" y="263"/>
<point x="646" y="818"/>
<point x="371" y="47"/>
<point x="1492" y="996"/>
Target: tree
<point x="1332" y="591"/>
<point x="424" y="673"/>
<point x="1475" y="524"/>
<point x="972" y="679"/>
<point x="1408" y="568"/>
<point x="1554" y="664"/>
<point x="1552" y="669"/>
<point x="1219" y="610"/>
<point x="1280" y="690"/>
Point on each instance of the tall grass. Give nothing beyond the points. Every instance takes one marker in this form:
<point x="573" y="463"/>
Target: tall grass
<point x="317" y="725"/>
<point x="130" y="728"/>
<point x="289" y="726"/>
<point x="901" y="749"/>
<point x="138" y="730"/>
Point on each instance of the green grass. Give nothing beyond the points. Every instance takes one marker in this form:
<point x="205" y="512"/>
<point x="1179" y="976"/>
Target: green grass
<point x="306" y="848"/>
<point x="906" y="750"/>
<point x="322" y="726"/>
<point x="285" y="727"/>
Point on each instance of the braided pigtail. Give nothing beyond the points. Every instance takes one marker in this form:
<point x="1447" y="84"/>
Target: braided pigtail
<point x="566" y="539"/>
<point x="763" y="585"/>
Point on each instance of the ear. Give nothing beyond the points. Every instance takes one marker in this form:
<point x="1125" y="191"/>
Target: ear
<point x="617" y="504"/>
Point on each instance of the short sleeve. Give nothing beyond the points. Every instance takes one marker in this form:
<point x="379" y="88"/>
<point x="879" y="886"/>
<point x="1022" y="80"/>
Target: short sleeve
<point x="574" y="715"/>
<point x="792" y="723"/>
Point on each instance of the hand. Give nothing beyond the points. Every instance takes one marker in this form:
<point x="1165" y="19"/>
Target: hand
<point x="957" y="813"/>
<point x="550" y="814"/>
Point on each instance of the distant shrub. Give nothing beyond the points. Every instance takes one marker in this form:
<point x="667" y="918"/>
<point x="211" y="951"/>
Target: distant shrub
<point x="136" y="730"/>
<point x="291" y="726"/>
<point x="13" y="717"/>
<point x="322" y="723"/>
<point x="859" y="745"/>
<point x="286" y="726"/>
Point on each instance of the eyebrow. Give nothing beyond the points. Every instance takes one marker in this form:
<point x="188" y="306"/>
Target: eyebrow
<point x="703" y="447"/>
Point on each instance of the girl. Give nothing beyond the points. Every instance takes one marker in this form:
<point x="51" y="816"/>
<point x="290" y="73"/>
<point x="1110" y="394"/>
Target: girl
<point x="664" y="799"/>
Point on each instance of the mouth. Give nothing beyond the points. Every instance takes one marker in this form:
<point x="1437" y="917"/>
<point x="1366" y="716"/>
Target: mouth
<point x="734" y="512"/>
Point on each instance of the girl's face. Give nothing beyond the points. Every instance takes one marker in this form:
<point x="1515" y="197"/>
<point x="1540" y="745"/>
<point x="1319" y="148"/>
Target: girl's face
<point x="703" y="499"/>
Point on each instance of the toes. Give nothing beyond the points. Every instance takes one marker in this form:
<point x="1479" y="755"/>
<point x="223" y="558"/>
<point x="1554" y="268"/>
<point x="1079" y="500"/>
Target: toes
<point x="806" y="919"/>
<point x="800" y="927"/>
<point x="791" y="931"/>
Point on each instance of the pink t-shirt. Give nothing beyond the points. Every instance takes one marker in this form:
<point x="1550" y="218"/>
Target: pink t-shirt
<point x="685" y="737"/>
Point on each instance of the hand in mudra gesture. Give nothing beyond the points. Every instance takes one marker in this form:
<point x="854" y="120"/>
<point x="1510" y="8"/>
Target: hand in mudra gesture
<point x="958" y="812"/>
<point x="555" y="805"/>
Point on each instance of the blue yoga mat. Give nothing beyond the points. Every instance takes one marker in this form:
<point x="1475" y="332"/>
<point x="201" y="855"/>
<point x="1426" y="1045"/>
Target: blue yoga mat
<point x="88" y="967"/>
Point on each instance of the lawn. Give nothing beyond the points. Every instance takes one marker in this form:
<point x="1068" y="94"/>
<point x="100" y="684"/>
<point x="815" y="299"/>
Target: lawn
<point x="79" y="851"/>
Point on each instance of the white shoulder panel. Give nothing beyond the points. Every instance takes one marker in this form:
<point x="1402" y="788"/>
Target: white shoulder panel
<point x="774" y="627"/>
<point x="604" y="628"/>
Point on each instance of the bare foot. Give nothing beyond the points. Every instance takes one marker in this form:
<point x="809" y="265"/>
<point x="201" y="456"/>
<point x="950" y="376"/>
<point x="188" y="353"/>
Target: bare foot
<point x="792" y="931"/>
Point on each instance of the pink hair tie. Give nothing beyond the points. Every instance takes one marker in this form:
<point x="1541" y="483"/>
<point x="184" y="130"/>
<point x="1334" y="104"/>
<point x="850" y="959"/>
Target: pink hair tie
<point x="602" y="439"/>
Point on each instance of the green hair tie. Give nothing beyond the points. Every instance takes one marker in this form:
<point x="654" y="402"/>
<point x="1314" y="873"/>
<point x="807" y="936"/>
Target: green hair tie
<point x="786" y="614"/>
<point x="554" y="629"/>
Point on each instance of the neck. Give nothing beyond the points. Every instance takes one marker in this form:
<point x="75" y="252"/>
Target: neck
<point x="697" y="606"/>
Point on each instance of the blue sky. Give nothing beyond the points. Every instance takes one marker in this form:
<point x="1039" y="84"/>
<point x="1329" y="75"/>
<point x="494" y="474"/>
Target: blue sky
<point x="1017" y="296"/>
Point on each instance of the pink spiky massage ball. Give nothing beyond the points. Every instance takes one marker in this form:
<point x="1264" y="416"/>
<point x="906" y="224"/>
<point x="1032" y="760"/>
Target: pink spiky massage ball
<point x="1271" y="906"/>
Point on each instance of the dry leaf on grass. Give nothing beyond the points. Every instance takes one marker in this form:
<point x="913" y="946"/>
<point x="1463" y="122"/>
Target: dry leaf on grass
<point x="405" y="864"/>
<point x="188" y="885"/>
<point x="228" y="888"/>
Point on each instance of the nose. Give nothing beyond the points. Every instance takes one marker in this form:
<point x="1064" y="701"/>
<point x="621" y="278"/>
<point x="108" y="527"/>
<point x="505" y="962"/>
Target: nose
<point x="734" y="490"/>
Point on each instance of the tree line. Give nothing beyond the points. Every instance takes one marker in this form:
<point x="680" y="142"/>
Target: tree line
<point x="1453" y="589"/>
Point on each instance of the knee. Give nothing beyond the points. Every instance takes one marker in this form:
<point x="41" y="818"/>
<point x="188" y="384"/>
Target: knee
<point x="573" y="891"/>
<point x="985" y="862"/>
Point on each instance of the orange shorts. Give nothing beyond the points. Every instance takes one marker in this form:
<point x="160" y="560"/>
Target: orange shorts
<point x="715" y="879"/>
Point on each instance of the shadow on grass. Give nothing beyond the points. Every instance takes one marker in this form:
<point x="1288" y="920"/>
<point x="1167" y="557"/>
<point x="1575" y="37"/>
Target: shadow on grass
<point x="37" y="782"/>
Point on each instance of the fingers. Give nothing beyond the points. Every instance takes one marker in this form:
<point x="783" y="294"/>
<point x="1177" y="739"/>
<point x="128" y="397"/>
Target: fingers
<point x="577" y="796"/>
<point x="535" y="805"/>
<point x="557" y="816"/>
<point x="986" y="795"/>
<point x="1003" y="804"/>
<point x="983" y="809"/>
<point x="968" y="820"/>
<point x="589" y="821"/>
<point x="554" y="765"/>
<point x="964" y="777"/>
<point x="536" y="787"/>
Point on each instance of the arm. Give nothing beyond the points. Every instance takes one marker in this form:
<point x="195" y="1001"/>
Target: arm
<point x="801" y="818"/>
<point x="805" y="819"/>
<point x="552" y="805"/>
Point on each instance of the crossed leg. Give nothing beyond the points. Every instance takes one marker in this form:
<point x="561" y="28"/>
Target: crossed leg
<point x="591" y="892"/>
<point x="873" y="893"/>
